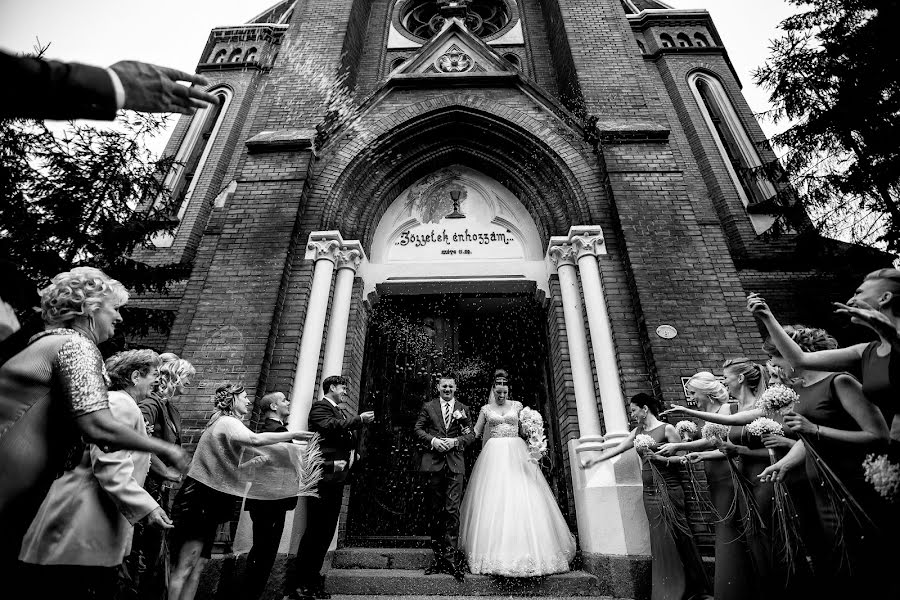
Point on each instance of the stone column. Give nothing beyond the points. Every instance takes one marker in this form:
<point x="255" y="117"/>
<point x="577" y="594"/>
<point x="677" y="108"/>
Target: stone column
<point x="611" y="520"/>
<point x="322" y="247"/>
<point x="563" y="257"/>
<point x="589" y="244"/>
<point x="349" y="258"/>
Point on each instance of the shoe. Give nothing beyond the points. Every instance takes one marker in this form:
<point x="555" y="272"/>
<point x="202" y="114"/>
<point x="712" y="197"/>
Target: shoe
<point x="459" y="575"/>
<point x="319" y="592"/>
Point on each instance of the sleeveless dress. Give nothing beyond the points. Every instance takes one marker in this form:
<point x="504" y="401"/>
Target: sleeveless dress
<point x="851" y="560"/>
<point x="878" y="375"/>
<point x="510" y="524"/>
<point x="677" y="569"/>
<point x="732" y="580"/>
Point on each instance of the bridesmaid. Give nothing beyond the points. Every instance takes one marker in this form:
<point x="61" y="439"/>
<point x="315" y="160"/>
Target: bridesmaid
<point x="733" y="580"/>
<point x="678" y="572"/>
<point x="875" y="304"/>
<point x="842" y="426"/>
<point x="745" y="381"/>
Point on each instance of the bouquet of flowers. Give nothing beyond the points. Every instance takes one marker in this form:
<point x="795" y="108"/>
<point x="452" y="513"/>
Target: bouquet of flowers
<point x="686" y="430"/>
<point x="883" y="475"/>
<point x="765" y="426"/>
<point x="533" y="427"/>
<point x="714" y="432"/>
<point x="644" y="443"/>
<point x="777" y="399"/>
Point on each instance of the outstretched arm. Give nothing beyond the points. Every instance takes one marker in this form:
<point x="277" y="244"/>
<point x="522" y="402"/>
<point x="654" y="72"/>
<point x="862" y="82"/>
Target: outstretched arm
<point x="625" y="444"/>
<point x="742" y="418"/>
<point x="479" y="426"/>
<point x="839" y="359"/>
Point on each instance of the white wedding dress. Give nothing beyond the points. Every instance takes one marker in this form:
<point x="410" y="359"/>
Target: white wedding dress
<point x="510" y="524"/>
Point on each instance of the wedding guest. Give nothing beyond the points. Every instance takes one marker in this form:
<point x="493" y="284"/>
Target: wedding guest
<point x="267" y="515"/>
<point x="214" y="484"/>
<point x="875" y="304"/>
<point x="677" y="569"/>
<point x="50" y="89"/>
<point x="330" y="418"/>
<point x="53" y="393"/>
<point x="145" y="572"/>
<point x="839" y="427"/>
<point x="83" y="529"/>
<point x="732" y="579"/>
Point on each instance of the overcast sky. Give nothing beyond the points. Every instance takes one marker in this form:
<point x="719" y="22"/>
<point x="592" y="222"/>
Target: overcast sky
<point x="174" y="32"/>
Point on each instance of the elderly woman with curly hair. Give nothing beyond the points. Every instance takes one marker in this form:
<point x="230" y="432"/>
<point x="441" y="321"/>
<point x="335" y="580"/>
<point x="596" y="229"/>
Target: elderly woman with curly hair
<point x="83" y="529"/>
<point x="53" y="394"/>
<point x="146" y="569"/>
<point x="215" y="482"/>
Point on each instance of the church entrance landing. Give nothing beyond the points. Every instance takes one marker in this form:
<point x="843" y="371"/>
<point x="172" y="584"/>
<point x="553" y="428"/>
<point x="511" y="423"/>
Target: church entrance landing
<point x="412" y="341"/>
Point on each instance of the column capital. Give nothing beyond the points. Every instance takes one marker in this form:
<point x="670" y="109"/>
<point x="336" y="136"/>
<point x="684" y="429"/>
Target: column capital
<point x="587" y="239"/>
<point x="350" y="255"/>
<point x="561" y="252"/>
<point x="324" y="245"/>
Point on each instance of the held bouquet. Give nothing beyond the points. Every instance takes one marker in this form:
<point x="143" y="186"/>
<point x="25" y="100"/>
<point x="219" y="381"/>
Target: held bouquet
<point x="714" y="432"/>
<point x="686" y="430"/>
<point x="644" y="443"/>
<point x="777" y="399"/>
<point x="883" y="475"/>
<point x="765" y="426"/>
<point x="532" y="425"/>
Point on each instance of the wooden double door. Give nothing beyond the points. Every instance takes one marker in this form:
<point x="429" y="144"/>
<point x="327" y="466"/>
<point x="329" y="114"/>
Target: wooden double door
<point x="412" y="341"/>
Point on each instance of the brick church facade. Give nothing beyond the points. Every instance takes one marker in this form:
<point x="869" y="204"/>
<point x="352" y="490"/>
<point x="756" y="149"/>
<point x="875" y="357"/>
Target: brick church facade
<point x="596" y="154"/>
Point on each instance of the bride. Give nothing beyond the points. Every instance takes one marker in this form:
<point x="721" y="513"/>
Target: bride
<point x="510" y="524"/>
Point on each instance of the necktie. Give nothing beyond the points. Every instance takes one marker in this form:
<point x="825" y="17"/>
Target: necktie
<point x="446" y="415"/>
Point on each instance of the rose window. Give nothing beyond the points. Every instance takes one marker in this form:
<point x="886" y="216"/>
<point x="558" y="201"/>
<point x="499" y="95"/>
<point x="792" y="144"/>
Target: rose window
<point x="484" y="18"/>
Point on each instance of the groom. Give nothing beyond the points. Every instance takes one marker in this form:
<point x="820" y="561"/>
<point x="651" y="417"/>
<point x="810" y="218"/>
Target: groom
<point x="444" y="426"/>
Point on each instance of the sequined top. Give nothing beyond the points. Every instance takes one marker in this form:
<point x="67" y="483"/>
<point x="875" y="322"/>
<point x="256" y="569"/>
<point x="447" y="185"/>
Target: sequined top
<point x="58" y="376"/>
<point x="499" y="425"/>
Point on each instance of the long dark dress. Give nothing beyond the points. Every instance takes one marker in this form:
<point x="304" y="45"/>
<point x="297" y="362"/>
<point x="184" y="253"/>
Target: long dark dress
<point x="733" y="580"/>
<point x="768" y="580"/>
<point x="677" y="567"/>
<point x="880" y="375"/>
<point x="851" y="561"/>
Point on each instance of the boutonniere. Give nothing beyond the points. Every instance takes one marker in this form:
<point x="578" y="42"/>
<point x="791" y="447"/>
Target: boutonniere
<point x="463" y="418"/>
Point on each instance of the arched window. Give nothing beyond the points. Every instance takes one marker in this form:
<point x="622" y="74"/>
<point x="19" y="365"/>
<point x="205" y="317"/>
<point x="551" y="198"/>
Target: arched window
<point x="513" y="59"/>
<point x="250" y="56"/>
<point x="642" y="48"/>
<point x="192" y="156"/>
<point x="684" y="41"/>
<point x="733" y="142"/>
<point x="236" y="55"/>
<point x="700" y="40"/>
<point x="667" y="41"/>
<point x="219" y="57"/>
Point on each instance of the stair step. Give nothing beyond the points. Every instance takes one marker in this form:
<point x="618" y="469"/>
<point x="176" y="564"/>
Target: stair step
<point x="381" y="558"/>
<point x="393" y="597"/>
<point x="413" y="582"/>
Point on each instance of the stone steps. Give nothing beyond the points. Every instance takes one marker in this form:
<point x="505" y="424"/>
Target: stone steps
<point x="400" y="572"/>
<point x="409" y="582"/>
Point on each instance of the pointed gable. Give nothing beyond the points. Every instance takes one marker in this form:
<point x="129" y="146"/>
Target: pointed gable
<point x="455" y="51"/>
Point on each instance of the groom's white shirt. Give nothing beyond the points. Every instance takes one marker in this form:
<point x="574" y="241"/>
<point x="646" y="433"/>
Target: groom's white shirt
<point x="452" y="403"/>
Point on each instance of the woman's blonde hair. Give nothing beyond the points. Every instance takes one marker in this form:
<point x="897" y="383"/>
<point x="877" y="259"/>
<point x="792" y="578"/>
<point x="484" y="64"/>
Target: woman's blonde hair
<point x="79" y="293"/>
<point x="172" y="373"/>
<point x="810" y="339"/>
<point x="708" y="384"/>
<point x="752" y="372"/>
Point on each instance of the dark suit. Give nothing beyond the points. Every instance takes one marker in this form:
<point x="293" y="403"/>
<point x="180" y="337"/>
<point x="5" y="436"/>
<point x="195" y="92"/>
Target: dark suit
<point x="268" y="524"/>
<point x="336" y="428"/>
<point x="49" y="89"/>
<point x="446" y="472"/>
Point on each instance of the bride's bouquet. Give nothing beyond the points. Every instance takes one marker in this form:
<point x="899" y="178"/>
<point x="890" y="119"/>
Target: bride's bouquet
<point x="778" y="399"/>
<point x="533" y="427"/>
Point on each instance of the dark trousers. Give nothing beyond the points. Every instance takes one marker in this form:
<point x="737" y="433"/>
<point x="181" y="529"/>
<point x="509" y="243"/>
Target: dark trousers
<point x="444" y="493"/>
<point x="321" y="518"/>
<point x="268" y="524"/>
<point x="72" y="582"/>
